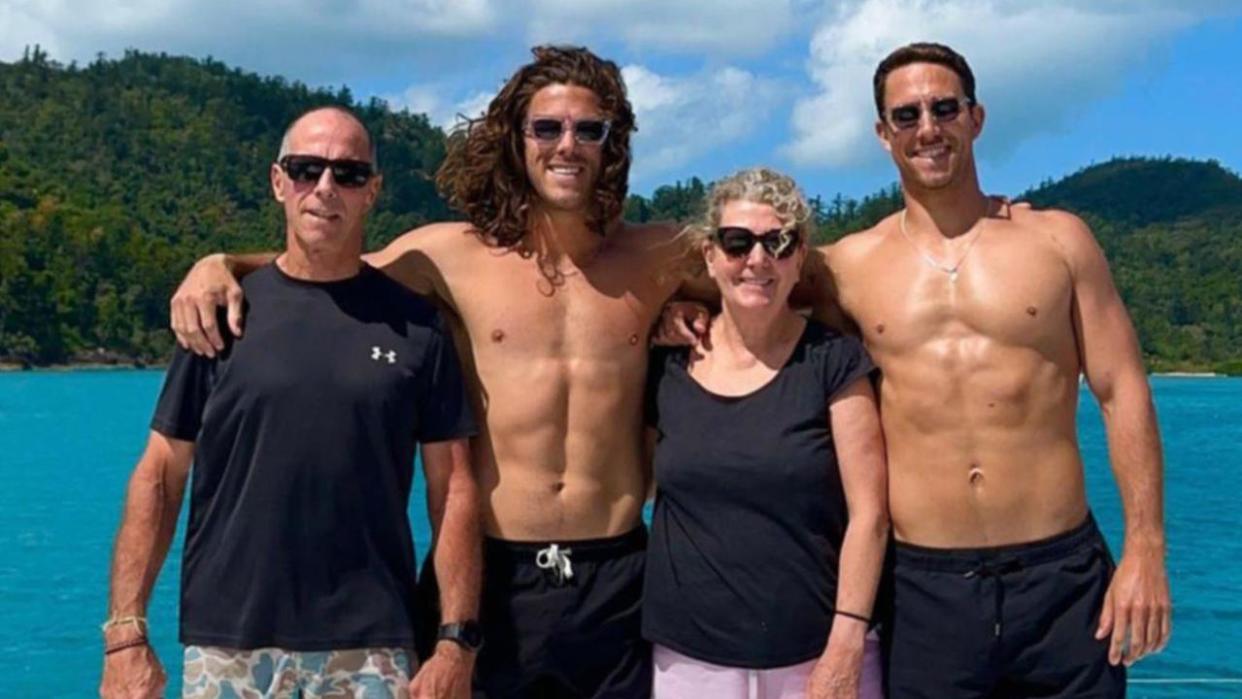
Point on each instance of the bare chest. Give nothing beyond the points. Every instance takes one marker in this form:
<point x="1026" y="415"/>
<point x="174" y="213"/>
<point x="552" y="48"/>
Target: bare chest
<point x="1009" y="292"/>
<point x="515" y="312"/>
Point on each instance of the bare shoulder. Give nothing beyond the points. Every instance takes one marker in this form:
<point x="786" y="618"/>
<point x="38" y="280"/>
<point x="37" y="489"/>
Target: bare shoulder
<point x="420" y="258"/>
<point x="854" y="247"/>
<point x="651" y="243"/>
<point x="1054" y="221"/>
<point x="650" y="234"/>
<point x="1069" y="234"/>
<point x="442" y="238"/>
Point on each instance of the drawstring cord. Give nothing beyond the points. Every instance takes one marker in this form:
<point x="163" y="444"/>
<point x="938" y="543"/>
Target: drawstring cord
<point x="556" y="559"/>
<point x="996" y="570"/>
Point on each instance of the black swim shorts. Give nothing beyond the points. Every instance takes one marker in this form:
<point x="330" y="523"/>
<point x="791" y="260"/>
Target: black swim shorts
<point x="1011" y="621"/>
<point x="562" y="619"/>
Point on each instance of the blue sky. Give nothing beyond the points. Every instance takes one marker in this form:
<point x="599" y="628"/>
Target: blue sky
<point x="722" y="84"/>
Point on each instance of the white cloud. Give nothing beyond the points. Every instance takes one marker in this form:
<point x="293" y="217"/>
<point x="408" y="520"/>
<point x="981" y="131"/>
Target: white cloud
<point x="1036" y="63"/>
<point x="681" y="118"/>
<point x="723" y="27"/>
<point x="473" y="106"/>
<point x="285" y="36"/>
<point x="441" y="110"/>
<point x="309" y="39"/>
<point x="403" y="17"/>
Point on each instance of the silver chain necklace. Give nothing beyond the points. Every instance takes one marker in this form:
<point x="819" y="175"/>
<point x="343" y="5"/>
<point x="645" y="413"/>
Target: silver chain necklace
<point x="931" y="261"/>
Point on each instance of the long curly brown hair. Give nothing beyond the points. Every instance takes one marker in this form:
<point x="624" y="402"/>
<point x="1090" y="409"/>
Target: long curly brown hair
<point x="484" y="170"/>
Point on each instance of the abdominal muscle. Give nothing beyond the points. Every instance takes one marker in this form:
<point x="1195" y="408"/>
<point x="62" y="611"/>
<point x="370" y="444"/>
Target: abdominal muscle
<point x="983" y="453"/>
<point x="560" y="455"/>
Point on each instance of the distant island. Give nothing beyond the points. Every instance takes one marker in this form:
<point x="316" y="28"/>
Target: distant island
<point x="115" y="176"/>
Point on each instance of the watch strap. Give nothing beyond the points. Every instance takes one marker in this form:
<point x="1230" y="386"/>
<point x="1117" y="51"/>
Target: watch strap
<point x="467" y="634"/>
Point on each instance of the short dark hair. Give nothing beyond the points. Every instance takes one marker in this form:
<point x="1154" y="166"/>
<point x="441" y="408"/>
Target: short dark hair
<point x="923" y="52"/>
<point x="484" y="171"/>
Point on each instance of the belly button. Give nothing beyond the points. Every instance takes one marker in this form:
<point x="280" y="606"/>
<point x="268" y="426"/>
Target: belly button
<point x="498" y="335"/>
<point x="1032" y="311"/>
<point x="634" y="339"/>
<point x="879" y="328"/>
<point x="558" y="486"/>
<point x="976" y="476"/>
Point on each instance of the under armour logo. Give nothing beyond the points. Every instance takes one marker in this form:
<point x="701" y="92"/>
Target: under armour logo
<point x="390" y="355"/>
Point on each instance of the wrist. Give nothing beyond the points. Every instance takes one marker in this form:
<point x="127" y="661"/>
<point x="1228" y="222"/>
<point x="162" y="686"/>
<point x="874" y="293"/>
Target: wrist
<point x="1146" y="543"/>
<point x="845" y="635"/>
<point x="116" y="648"/>
<point x="466" y="635"/>
<point x="123" y="628"/>
<point x="454" y="652"/>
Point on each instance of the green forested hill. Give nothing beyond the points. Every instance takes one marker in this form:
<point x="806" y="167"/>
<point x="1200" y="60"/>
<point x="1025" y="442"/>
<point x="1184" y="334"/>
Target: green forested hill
<point x="115" y="176"/>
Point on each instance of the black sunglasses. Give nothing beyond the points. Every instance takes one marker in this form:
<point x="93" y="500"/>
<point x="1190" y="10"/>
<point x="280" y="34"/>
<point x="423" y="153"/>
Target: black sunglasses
<point x="737" y="241"/>
<point x="587" y="132"/>
<point x="309" y="168"/>
<point x="942" y="110"/>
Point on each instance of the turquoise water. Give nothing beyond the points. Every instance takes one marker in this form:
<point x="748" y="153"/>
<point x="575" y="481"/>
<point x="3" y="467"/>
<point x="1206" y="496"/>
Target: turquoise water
<point x="69" y="440"/>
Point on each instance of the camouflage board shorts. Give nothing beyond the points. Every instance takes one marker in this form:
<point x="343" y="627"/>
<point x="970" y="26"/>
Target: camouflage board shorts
<point x="273" y="673"/>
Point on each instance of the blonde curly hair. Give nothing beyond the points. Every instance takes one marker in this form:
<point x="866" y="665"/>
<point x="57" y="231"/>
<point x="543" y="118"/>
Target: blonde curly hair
<point x="760" y="185"/>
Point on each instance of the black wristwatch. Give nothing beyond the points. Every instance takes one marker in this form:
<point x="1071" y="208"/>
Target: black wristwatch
<point x="467" y="634"/>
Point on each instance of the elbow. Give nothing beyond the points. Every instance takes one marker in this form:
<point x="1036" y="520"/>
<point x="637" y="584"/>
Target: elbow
<point x="462" y="496"/>
<point x="1128" y="390"/>
<point x="147" y="482"/>
<point x="873" y="524"/>
<point x="463" y="484"/>
<point x="146" y="498"/>
<point x="882" y="526"/>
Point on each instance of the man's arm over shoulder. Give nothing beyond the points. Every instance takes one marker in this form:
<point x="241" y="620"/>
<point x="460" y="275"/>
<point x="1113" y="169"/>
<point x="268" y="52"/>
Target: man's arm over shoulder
<point x="669" y="257"/>
<point x="825" y="275"/>
<point x="211" y="283"/>
<point x="1137" y="605"/>
<point x="418" y="257"/>
<point x="687" y="293"/>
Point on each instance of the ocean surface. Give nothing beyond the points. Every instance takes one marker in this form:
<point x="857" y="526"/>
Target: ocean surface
<point x="68" y="441"/>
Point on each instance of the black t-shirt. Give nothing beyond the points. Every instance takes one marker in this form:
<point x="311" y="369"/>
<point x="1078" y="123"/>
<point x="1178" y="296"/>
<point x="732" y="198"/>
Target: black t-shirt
<point x="305" y="431"/>
<point x="749" y="512"/>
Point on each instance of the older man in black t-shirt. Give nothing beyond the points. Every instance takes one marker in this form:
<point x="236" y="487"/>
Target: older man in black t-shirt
<point x="299" y="566"/>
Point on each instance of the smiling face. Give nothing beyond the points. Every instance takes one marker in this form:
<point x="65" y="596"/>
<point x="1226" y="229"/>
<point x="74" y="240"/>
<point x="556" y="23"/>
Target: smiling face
<point x="564" y="172"/>
<point x="324" y="215"/>
<point x="757" y="280"/>
<point x="936" y="152"/>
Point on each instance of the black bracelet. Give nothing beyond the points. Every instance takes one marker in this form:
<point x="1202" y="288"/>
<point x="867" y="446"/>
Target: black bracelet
<point x="852" y="615"/>
<point x="131" y="643"/>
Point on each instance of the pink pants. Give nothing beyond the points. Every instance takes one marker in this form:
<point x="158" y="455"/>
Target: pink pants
<point x="681" y="677"/>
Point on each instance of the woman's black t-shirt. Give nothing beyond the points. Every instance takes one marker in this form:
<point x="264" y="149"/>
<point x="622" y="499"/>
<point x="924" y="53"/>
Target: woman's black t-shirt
<point x="749" y="512"/>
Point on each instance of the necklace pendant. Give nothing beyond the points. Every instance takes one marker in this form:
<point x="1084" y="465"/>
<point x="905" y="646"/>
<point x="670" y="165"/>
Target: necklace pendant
<point x="953" y="276"/>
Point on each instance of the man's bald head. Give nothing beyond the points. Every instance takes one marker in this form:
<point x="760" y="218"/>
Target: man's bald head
<point x="287" y="140"/>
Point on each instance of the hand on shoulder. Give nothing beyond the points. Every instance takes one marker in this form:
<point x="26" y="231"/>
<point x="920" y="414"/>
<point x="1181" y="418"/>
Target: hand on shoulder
<point x="192" y="310"/>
